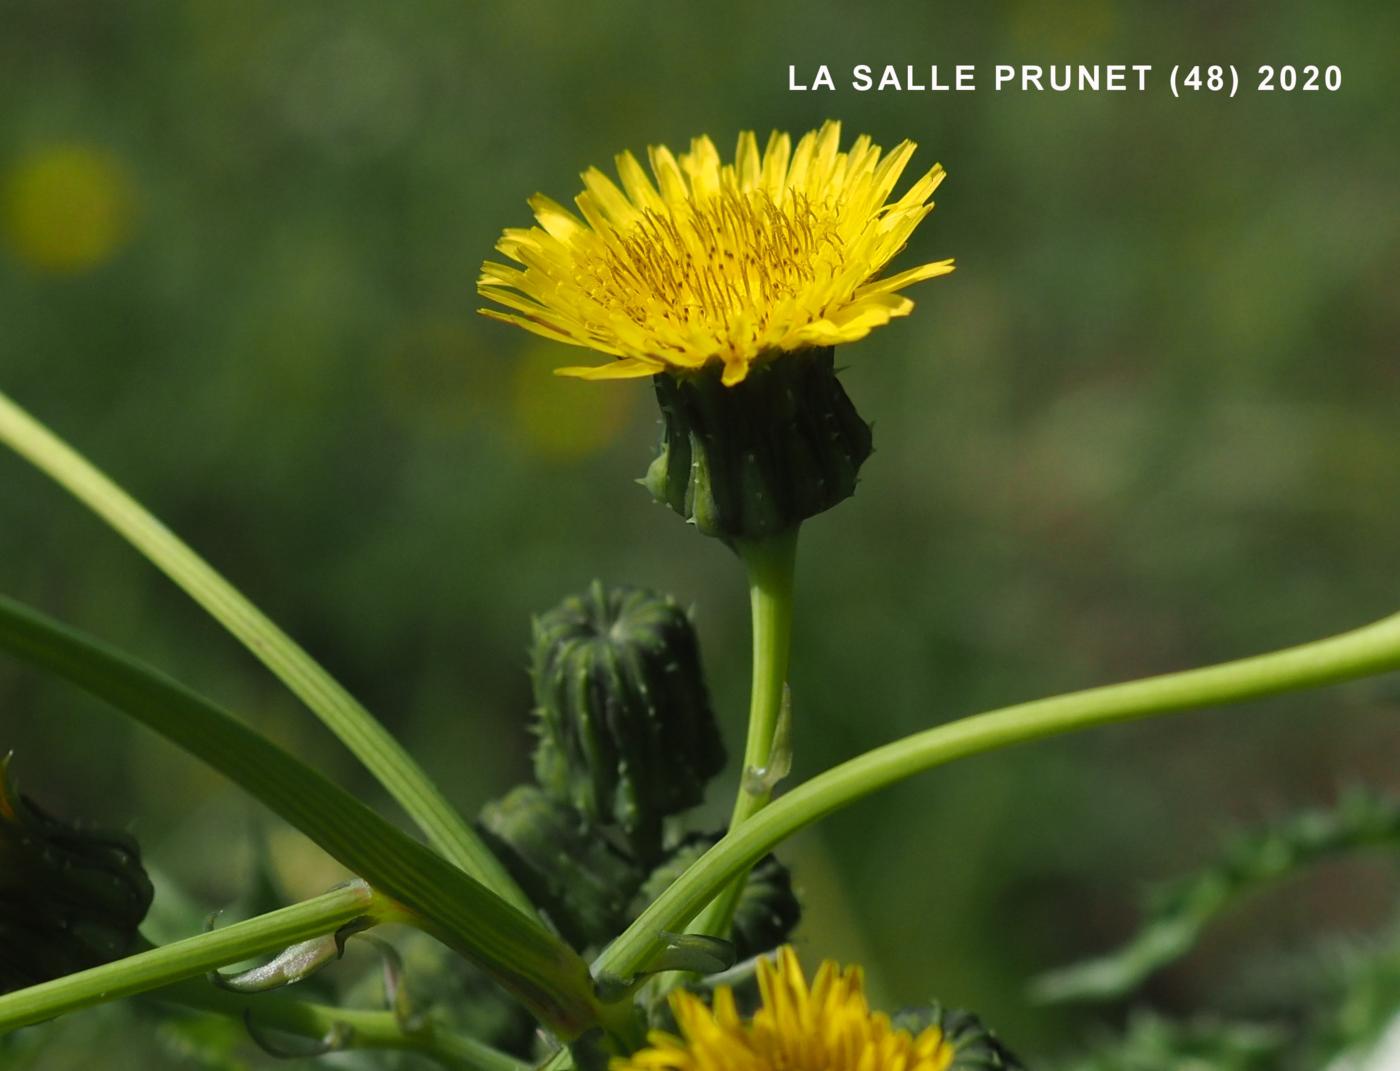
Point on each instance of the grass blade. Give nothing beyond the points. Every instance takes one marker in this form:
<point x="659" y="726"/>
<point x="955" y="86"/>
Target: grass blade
<point x="356" y="727"/>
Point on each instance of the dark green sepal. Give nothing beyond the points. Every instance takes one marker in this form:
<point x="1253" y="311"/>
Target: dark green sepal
<point x="576" y="876"/>
<point x="760" y="457"/>
<point x="71" y="897"/>
<point x="626" y="731"/>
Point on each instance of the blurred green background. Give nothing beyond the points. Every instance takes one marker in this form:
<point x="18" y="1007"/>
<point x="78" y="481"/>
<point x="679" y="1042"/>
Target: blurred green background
<point x="1149" y="422"/>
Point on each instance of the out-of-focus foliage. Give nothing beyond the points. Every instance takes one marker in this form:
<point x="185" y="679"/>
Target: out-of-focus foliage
<point x="1149" y="422"/>
<point x="1179" y="911"/>
<point x="1151" y="1043"/>
<point x="1338" y="1001"/>
<point x="1339" y="1014"/>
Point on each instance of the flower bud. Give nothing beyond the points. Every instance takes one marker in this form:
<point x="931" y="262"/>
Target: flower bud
<point x="757" y="458"/>
<point x="70" y="897"/>
<point x="626" y="732"/>
<point x="576" y="876"/>
<point x="768" y="909"/>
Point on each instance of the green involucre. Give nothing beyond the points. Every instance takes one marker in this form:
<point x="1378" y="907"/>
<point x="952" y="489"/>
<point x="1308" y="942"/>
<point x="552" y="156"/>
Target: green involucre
<point x="756" y="459"/>
<point x="580" y="880"/>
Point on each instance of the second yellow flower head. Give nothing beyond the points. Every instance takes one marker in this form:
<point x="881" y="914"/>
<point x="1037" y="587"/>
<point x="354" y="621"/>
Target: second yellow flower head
<point x="826" y="1025"/>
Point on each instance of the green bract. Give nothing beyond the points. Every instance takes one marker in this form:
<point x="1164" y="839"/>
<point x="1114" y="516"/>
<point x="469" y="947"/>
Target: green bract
<point x="580" y="880"/>
<point x="758" y="458"/>
<point x="626" y="732"/>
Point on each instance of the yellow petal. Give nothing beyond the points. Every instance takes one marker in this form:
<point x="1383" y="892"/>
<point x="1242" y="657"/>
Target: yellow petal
<point x="627" y="368"/>
<point x="557" y="220"/>
<point x="620" y="211"/>
<point x="668" y="174"/>
<point x="735" y="371"/>
<point x="906" y="278"/>
<point x="748" y="164"/>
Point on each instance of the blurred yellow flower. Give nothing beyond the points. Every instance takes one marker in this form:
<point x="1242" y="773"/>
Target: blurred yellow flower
<point x="555" y="422"/>
<point x="827" y="1027"/>
<point x="777" y="251"/>
<point x="66" y="208"/>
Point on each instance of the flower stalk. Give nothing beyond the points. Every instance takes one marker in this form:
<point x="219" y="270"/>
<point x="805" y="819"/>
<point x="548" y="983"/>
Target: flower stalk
<point x="771" y="566"/>
<point x="1363" y="652"/>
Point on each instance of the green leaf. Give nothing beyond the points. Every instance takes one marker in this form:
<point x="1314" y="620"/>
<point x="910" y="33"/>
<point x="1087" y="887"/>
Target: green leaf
<point x="356" y="727"/>
<point x="543" y="972"/>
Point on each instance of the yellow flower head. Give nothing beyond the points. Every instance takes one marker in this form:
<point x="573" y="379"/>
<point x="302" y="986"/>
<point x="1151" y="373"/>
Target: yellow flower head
<point x="825" y="1027"/>
<point x="777" y="251"/>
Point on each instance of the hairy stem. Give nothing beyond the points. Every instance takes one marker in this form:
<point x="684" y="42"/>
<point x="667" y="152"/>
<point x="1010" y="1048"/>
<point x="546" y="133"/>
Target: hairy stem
<point x="356" y="727"/>
<point x="1364" y="652"/>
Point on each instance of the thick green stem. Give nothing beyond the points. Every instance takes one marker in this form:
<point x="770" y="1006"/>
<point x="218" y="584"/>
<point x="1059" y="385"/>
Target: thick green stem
<point x="544" y="973"/>
<point x="1364" y="652"/>
<point x="357" y="728"/>
<point x="195" y="956"/>
<point x="771" y="564"/>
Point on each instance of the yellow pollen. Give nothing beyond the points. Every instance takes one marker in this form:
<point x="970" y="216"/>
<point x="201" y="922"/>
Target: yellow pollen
<point x="707" y="263"/>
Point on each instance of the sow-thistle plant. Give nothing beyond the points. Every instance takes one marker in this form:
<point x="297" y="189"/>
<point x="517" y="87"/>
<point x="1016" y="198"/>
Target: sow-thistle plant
<point x="592" y="920"/>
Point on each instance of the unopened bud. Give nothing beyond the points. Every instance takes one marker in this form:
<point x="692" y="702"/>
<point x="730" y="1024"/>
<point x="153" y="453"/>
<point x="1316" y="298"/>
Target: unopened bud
<point x="626" y="731"/>
<point x="580" y="880"/>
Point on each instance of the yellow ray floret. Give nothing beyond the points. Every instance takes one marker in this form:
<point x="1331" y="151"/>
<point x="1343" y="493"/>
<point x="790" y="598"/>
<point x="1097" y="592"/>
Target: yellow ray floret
<point x="825" y="1027"/>
<point x="776" y="251"/>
